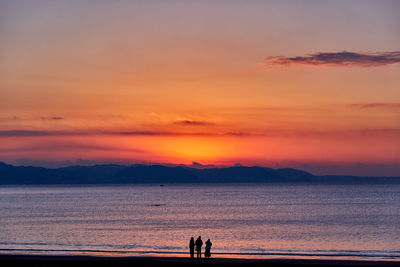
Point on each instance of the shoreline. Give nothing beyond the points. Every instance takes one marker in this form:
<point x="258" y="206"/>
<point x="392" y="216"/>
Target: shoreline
<point x="86" y="260"/>
<point x="348" y="255"/>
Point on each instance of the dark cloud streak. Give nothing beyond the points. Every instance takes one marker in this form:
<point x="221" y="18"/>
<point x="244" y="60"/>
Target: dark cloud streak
<point x="343" y="58"/>
<point x="162" y="133"/>
<point x="261" y="133"/>
<point x="376" y="105"/>
<point x="67" y="146"/>
<point x="192" y="123"/>
<point x="22" y="133"/>
<point x="32" y="133"/>
<point x="54" y="118"/>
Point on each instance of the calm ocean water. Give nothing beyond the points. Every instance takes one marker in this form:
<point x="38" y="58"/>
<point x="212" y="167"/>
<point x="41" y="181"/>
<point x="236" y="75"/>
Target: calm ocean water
<point x="253" y="220"/>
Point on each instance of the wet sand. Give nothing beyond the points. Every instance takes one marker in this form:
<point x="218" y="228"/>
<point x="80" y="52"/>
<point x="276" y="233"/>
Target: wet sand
<point x="89" y="261"/>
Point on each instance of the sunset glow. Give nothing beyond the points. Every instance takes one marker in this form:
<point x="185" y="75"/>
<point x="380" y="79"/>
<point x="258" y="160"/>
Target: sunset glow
<point x="214" y="82"/>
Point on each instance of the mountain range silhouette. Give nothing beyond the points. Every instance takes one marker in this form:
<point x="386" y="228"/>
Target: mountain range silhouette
<point x="160" y="174"/>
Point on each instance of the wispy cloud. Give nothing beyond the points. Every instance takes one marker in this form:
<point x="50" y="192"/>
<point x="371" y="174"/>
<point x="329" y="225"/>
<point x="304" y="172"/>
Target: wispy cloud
<point x="166" y="133"/>
<point x="54" y="118"/>
<point x="30" y="118"/>
<point x="27" y="133"/>
<point x="67" y="146"/>
<point x="16" y="133"/>
<point x="343" y="58"/>
<point x="260" y="133"/>
<point x="376" y="105"/>
<point x="187" y="122"/>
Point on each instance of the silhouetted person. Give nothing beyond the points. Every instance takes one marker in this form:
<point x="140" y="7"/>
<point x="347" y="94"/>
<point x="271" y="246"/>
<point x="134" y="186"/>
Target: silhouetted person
<point x="199" y="244"/>
<point x="191" y="247"/>
<point x="207" y="252"/>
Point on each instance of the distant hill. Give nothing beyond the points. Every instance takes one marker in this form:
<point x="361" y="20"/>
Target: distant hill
<point x="159" y="174"/>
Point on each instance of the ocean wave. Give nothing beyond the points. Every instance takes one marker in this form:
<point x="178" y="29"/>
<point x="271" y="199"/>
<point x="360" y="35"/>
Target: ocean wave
<point x="394" y="254"/>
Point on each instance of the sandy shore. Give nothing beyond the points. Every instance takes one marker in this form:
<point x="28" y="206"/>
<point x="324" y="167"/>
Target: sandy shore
<point x="88" y="261"/>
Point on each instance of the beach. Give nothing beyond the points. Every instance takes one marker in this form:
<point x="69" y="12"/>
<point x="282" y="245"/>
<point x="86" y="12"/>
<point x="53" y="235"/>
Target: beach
<point x="42" y="260"/>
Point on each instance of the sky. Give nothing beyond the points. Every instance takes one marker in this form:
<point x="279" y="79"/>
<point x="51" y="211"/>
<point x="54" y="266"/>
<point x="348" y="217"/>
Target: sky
<point x="313" y="85"/>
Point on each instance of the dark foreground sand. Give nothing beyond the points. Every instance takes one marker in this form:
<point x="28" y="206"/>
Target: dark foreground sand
<point x="89" y="261"/>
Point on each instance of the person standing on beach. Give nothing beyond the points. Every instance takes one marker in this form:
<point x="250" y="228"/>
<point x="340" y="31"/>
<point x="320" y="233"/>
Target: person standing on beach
<point x="207" y="252"/>
<point x="199" y="244"/>
<point x="191" y="247"/>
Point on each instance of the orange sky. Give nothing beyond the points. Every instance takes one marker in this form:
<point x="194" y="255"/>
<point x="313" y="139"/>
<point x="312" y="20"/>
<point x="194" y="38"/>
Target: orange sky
<point x="190" y="81"/>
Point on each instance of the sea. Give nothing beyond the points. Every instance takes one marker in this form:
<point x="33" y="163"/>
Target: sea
<point x="241" y="220"/>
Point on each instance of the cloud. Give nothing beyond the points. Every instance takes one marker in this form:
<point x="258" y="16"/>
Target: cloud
<point x="24" y="118"/>
<point x="70" y="146"/>
<point x="165" y="133"/>
<point x="28" y="133"/>
<point x="25" y="133"/>
<point x="343" y="58"/>
<point x="376" y="105"/>
<point x="15" y="133"/>
<point x="261" y="133"/>
<point x="54" y="118"/>
<point x="186" y="122"/>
